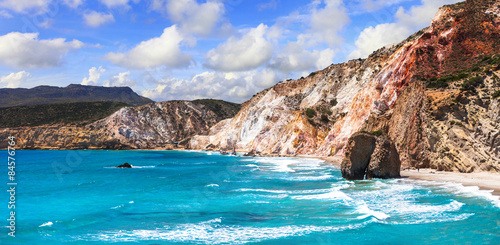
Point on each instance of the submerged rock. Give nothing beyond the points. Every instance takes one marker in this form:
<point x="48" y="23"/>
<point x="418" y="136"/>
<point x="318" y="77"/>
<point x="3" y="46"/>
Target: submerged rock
<point x="370" y="155"/>
<point x="125" y="165"/>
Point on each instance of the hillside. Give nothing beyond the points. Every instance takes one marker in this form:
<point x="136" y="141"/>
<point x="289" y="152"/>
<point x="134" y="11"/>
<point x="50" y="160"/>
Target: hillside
<point x="435" y="94"/>
<point x="72" y="93"/>
<point x="79" y="113"/>
<point x="154" y="125"/>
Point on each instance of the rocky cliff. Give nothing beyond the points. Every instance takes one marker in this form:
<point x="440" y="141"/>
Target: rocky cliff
<point x="433" y="94"/>
<point x="155" y="125"/>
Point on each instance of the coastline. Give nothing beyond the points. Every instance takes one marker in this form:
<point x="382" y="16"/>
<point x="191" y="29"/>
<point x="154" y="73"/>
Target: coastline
<point x="486" y="181"/>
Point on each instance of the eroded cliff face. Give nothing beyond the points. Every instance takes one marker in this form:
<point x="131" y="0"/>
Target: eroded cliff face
<point x="399" y="89"/>
<point x="155" y="125"/>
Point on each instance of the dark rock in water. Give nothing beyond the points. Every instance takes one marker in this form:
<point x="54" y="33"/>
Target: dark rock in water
<point x="357" y="156"/>
<point x="125" y="165"/>
<point x="249" y="154"/>
<point x="384" y="162"/>
<point x="367" y="154"/>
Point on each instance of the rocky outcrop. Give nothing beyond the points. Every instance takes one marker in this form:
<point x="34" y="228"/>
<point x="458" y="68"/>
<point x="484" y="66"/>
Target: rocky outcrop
<point x="125" y="165"/>
<point x="371" y="156"/>
<point x="155" y="125"/>
<point x="358" y="156"/>
<point x="431" y="94"/>
<point x="384" y="161"/>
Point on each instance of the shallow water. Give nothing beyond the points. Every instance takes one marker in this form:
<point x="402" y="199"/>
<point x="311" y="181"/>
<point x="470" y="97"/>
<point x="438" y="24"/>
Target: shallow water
<point x="170" y="197"/>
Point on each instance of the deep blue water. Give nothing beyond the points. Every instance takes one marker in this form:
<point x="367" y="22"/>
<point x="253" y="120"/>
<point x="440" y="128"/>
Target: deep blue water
<point x="77" y="197"/>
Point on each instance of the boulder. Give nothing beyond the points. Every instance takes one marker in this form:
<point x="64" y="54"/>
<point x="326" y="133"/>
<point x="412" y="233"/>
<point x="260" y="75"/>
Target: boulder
<point x="371" y="156"/>
<point x="384" y="162"/>
<point x="359" y="149"/>
<point x="125" y="165"/>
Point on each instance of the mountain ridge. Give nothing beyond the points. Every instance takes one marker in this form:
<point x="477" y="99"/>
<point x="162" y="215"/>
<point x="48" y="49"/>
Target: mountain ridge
<point x="45" y="94"/>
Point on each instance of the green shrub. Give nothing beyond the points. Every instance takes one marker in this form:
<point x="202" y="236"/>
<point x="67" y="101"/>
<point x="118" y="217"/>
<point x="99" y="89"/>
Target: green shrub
<point x="310" y="112"/>
<point x="471" y="83"/>
<point x="377" y="133"/>
<point x="324" y="118"/>
<point x="496" y="94"/>
<point x="333" y="102"/>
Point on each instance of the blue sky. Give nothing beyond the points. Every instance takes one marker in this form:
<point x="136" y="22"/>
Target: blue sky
<point x="189" y="49"/>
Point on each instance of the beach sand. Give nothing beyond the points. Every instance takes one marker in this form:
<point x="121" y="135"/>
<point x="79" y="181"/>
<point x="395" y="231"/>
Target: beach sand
<point x="483" y="180"/>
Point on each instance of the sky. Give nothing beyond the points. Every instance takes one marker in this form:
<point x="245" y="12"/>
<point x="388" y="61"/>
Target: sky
<point x="192" y="49"/>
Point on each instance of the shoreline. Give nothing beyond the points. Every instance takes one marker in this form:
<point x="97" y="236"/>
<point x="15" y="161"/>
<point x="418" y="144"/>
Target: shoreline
<point x="485" y="181"/>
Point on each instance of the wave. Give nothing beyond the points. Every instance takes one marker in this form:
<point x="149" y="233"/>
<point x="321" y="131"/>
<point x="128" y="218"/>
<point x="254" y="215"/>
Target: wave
<point x="214" y="232"/>
<point x="46" y="224"/>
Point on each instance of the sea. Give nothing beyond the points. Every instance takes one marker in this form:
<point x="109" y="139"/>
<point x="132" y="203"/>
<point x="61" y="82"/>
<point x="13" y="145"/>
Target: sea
<point x="191" y="197"/>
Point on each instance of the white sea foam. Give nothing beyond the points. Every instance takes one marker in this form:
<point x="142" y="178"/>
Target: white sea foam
<point x="213" y="232"/>
<point x="262" y="190"/>
<point x="212" y="185"/>
<point x="46" y="224"/>
<point x="143" y="166"/>
<point x="363" y="209"/>
<point x="461" y="190"/>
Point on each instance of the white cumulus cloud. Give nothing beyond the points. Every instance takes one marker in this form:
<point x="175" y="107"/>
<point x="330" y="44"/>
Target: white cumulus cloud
<point x="25" y="50"/>
<point x="159" y="51"/>
<point x="13" y="80"/>
<point x="231" y="86"/>
<point x="239" y="54"/>
<point x="25" y="6"/>
<point x="294" y="57"/>
<point x="191" y="16"/>
<point x="73" y="3"/>
<point x="94" y="75"/>
<point x="120" y="80"/>
<point x="95" y="19"/>
<point x="407" y="22"/>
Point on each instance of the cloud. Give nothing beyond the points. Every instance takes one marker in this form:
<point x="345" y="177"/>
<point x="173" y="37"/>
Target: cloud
<point x="94" y="75"/>
<point x="115" y="3"/>
<point x="159" y="51"/>
<point x="273" y="4"/>
<point x="47" y="23"/>
<point x="95" y="19"/>
<point x="232" y="86"/>
<point x="73" y="3"/>
<point x="407" y="22"/>
<point x="120" y="80"/>
<point x="13" y="80"/>
<point x="25" y="50"/>
<point x="326" y="23"/>
<point x="240" y="54"/>
<point x="294" y="57"/>
<point x="25" y="6"/>
<point x="5" y="14"/>
<point x="196" y="18"/>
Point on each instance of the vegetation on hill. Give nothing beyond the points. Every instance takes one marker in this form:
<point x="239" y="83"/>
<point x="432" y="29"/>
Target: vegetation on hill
<point x="79" y="113"/>
<point x="72" y="93"/>
<point x="223" y="109"/>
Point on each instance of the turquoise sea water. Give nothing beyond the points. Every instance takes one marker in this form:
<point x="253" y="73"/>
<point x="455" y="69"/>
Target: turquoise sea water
<point x="77" y="197"/>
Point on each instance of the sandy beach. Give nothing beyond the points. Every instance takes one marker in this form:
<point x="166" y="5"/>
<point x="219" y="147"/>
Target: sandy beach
<point x="483" y="180"/>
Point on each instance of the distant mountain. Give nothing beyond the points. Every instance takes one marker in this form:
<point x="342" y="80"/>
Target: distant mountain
<point x="78" y="113"/>
<point x="70" y="94"/>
